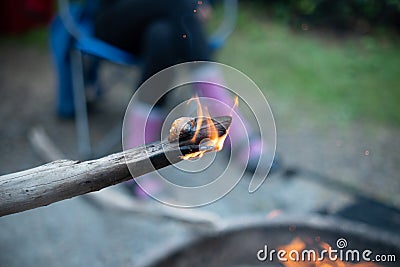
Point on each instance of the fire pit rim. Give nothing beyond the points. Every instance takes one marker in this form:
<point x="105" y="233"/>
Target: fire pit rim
<point x="306" y="221"/>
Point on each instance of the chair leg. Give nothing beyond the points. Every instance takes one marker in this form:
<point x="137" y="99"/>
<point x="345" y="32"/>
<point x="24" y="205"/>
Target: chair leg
<point x="81" y="116"/>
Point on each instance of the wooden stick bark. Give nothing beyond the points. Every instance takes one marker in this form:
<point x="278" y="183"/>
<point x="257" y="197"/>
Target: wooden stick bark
<point x="64" y="179"/>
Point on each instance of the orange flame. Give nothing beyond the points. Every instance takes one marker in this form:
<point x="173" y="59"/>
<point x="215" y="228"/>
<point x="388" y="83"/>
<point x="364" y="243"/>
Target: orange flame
<point x="298" y="245"/>
<point x="235" y="104"/>
<point x="213" y="140"/>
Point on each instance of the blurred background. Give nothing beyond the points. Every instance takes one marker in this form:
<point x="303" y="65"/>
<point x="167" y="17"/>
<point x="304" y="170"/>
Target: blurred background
<point x="330" y="71"/>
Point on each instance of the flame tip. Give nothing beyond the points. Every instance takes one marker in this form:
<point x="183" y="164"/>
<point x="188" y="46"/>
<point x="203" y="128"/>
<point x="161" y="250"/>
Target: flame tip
<point x="205" y="122"/>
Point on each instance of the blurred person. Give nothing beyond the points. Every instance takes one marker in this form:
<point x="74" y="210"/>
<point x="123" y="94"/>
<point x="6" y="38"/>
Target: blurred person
<point x="162" y="33"/>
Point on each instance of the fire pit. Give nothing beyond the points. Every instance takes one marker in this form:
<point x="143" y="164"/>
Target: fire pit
<point x="239" y="244"/>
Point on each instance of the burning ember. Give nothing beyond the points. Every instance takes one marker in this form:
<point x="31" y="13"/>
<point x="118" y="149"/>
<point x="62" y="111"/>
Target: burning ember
<point x="315" y="253"/>
<point x="214" y="141"/>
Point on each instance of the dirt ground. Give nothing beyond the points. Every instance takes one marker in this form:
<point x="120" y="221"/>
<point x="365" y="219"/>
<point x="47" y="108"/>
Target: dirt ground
<point x="330" y="164"/>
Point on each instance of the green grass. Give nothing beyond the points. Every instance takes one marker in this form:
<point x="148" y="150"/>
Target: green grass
<point x="346" y="79"/>
<point x="37" y="37"/>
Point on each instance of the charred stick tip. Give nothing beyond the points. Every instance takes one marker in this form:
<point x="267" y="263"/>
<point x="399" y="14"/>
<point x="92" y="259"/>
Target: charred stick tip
<point x="190" y="137"/>
<point x="184" y="129"/>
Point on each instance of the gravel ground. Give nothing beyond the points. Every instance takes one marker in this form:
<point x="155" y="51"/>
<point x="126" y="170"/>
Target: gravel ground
<point x="358" y="159"/>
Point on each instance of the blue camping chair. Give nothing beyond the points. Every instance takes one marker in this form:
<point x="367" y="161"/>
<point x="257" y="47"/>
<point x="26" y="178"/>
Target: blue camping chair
<point x="71" y="37"/>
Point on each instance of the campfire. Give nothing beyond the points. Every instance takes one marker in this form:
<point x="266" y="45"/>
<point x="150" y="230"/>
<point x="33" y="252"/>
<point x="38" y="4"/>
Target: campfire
<point x="312" y="252"/>
<point x="243" y="244"/>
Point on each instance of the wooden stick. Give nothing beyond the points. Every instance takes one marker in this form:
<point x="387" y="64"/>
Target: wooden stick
<point x="116" y="200"/>
<point x="64" y="179"/>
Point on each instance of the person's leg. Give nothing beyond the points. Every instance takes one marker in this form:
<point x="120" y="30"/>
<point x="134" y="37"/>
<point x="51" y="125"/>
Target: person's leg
<point x="191" y="41"/>
<point x="125" y="22"/>
<point x="158" y="53"/>
<point x="161" y="32"/>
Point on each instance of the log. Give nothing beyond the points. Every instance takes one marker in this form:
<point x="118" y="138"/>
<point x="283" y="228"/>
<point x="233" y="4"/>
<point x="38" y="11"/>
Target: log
<point x="63" y="179"/>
